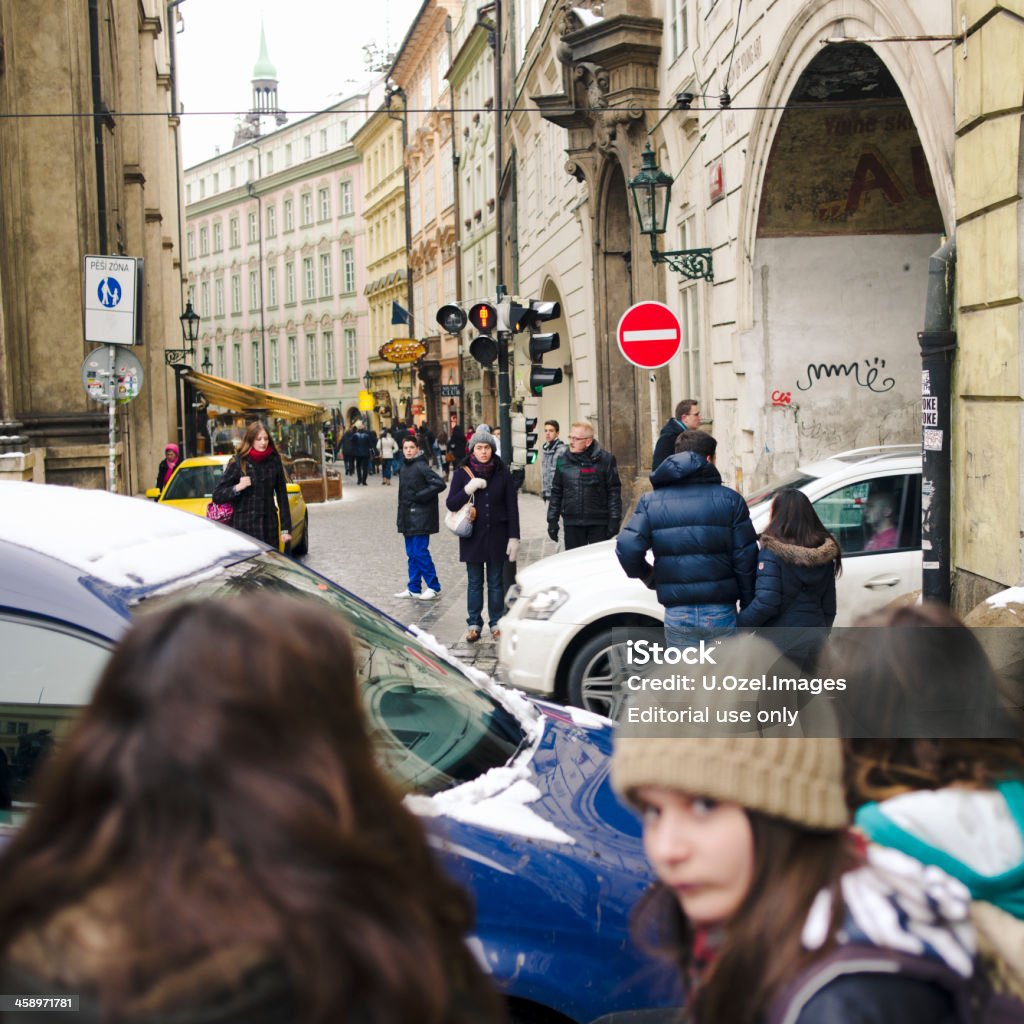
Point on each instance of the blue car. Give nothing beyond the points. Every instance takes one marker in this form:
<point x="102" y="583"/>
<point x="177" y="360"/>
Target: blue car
<point x="514" y="793"/>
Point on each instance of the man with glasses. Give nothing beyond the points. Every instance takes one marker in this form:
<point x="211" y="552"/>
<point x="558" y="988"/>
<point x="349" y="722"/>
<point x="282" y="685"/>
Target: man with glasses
<point x="687" y="417"/>
<point x="586" y="493"/>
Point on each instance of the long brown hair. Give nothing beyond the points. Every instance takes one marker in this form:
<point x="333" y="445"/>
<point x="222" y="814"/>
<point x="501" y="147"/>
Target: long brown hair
<point x="222" y="785"/>
<point x="249" y="439"/>
<point x="760" y="948"/>
<point x="794" y="521"/>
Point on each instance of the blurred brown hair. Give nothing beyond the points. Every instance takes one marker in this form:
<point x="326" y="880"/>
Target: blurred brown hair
<point x="222" y="786"/>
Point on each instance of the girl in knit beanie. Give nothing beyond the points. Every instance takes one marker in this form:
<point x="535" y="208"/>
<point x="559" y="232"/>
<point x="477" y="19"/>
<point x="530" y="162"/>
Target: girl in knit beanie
<point x="771" y="910"/>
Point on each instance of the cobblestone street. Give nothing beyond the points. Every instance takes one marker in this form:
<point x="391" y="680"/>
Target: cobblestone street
<point x="355" y="543"/>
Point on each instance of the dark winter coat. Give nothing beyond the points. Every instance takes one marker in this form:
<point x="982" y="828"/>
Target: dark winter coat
<point x="585" y="490"/>
<point x="497" y="513"/>
<point x="362" y="444"/>
<point x="665" y="447"/>
<point x="876" y="998"/>
<point x="704" y="544"/>
<point x="418" y="488"/>
<point x="163" y="474"/>
<point x="348" y="444"/>
<point x="457" y="444"/>
<point x="255" y="511"/>
<point x="795" y="586"/>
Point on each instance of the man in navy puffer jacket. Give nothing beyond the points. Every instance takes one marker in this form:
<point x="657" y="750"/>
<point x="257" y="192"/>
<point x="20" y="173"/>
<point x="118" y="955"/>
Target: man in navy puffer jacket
<point x="704" y="544"/>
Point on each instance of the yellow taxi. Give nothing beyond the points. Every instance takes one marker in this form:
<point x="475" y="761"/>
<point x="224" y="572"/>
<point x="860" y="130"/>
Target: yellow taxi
<point x="191" y="489"/>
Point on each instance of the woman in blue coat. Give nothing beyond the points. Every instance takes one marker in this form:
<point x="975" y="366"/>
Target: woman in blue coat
<point x="494" y="541"/>
<point x="796" y="578"/>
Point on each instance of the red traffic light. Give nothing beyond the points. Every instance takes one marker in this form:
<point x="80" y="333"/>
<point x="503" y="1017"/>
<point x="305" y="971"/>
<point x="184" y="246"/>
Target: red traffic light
<point x="483" y="316"/>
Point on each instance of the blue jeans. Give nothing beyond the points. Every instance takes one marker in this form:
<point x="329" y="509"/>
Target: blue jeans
<point x="475" y="594"/>
<point x="687" y="624"/>
<point x="385" y="468"/>
<point x="421" y="565"/>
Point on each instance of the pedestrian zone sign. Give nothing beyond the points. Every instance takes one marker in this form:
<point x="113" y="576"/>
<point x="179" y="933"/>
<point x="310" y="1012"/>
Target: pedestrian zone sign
<point x="649" y="335"/>
<point x="109" y="298"/>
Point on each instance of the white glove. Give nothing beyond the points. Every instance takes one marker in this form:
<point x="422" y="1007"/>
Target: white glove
<point x="512" y="549"/>
<point x="478" y="483"/>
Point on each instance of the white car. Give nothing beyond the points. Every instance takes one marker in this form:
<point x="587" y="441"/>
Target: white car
<point x="557" y="640"/>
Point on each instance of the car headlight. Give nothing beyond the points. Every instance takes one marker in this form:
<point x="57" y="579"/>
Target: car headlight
<point x="545" y="603"/>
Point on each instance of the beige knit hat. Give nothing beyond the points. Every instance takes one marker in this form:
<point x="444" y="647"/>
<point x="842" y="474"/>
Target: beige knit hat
<point x="799" y="779"/>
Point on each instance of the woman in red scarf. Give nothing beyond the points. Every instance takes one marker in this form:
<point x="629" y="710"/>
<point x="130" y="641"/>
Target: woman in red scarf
<point x="251" y="481"/>
<point x="168" y="465"/>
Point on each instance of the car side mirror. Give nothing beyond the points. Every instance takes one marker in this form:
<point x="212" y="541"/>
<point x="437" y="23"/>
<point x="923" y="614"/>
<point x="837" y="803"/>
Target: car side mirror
<point x="153" y="493"/>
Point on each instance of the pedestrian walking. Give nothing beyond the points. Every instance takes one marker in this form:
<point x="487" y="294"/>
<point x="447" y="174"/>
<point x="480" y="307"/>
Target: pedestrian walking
<point x="484" y="478"/>
<point x="704" y="544"/>
<point x="769" y="907"/>
<point x="687" y="417"/>
<point x="252" y="481"/>
<point x="214" y="841"/>
<point x="168" y="464"/>
<point x="585" y="491"/>
<point x="551" y="449"/>
<point x="361" y="451"/>
<point x="456" y="445"/>
<point x="418" y="488"/>
<point x="388" y="449"/>
<point x="348" y="451"/>
<point x="372" y="461"/>
<point x="795" y="585"/>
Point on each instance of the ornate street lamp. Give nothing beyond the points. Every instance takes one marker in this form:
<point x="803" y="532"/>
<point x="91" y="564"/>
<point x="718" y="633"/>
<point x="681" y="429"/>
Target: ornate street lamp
<point x="652" y="194"/>
<point x="207" y="363"/>
<point x="190" y="325"/>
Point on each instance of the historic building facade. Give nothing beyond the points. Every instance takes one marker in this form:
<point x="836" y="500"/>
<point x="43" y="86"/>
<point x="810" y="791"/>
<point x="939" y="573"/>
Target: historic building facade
<point x="417" y="77"/>
<point x="72" y="186"/>
<point x="277" y="256"/>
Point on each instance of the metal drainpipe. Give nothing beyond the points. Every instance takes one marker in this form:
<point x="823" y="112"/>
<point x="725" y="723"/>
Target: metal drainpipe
<point x="100" y="113"/>
<point x="938" y="351"/>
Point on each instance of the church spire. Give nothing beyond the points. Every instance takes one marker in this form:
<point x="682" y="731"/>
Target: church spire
<point x="264" y="96"/>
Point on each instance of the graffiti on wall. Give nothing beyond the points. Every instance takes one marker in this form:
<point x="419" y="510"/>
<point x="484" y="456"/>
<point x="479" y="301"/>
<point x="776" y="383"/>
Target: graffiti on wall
<point x="848" y="170"/>
<point x="865" y="373"/>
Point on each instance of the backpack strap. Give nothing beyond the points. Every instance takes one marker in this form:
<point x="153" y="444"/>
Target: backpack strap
<point x="974" y="1001"/>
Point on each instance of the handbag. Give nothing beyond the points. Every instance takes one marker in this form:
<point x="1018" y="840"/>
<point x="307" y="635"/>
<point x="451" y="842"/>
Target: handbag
<point x="460" y="522"/>
<point x="220" y="513"/>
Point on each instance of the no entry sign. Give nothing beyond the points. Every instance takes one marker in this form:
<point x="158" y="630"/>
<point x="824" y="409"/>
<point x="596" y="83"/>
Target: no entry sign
<point x="649" y="335"/>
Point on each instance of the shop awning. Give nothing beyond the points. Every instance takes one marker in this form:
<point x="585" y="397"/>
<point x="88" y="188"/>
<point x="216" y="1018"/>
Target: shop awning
<point x="241" y="398"/>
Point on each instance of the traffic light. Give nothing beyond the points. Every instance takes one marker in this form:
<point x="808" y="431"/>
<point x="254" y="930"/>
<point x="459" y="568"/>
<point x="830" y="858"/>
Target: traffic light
<point x="452" y="318"/>
<point x="484" y="317"/>
<point x="541" y="343"/>
<point x="524" y="440"/>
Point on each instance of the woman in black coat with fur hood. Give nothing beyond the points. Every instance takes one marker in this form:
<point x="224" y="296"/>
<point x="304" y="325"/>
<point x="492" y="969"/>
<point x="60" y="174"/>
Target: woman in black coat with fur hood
<point x="795" y="586"/>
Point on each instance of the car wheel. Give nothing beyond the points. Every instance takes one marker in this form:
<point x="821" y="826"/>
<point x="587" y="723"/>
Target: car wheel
<point x="302" y="548"/>
<point x="597" y="675"/>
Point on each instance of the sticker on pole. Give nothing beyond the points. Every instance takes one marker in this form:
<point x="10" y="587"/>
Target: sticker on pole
<point x="649" y="335"/>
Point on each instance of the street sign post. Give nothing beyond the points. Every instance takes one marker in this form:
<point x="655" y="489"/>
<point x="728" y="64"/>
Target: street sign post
<point x="110" y="294"/>
<point x="112" y="376"/>
<point x="649" y="335"/>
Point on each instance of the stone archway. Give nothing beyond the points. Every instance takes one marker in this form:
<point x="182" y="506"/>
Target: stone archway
<point x="846" y="221"/>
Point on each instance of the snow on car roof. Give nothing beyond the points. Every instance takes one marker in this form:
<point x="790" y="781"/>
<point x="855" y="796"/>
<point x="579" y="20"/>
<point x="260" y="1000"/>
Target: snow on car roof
<point x="124" y="541"/>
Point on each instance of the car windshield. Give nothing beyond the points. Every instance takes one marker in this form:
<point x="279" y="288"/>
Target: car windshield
<point x="795" y="479"/>
<point x="433" y="727"/>
<point x="193" y="482"/>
